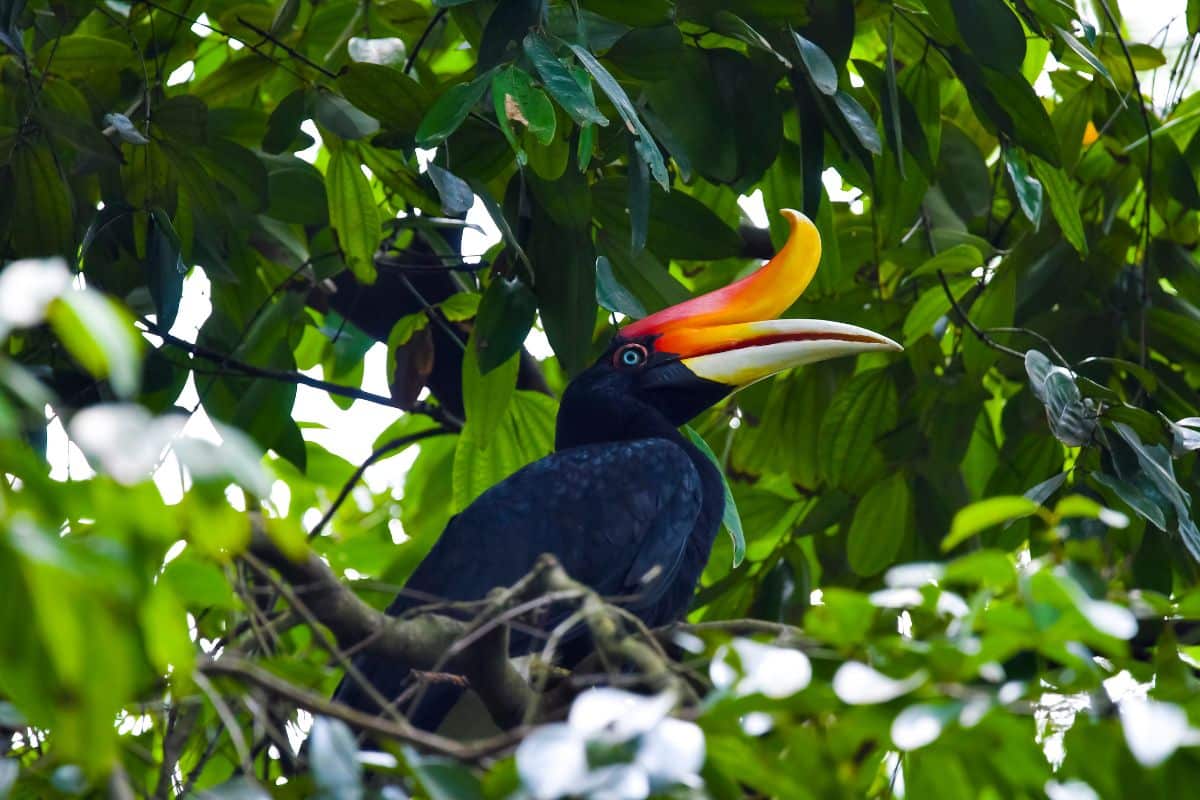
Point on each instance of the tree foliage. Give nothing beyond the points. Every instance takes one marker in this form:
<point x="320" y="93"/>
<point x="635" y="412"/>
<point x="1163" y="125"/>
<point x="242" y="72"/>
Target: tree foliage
<point x="949" y="555"/>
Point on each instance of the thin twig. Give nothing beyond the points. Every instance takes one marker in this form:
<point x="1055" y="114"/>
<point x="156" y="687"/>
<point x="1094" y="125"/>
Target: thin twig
<point x="283" y="376"/>
<point x="412" y="57"/>
<point x="242" y="669"/>
<point x="256" y="49"/>
<point x="962" y="315"/>
<point x="379" y="453"/>
<point x="290" y="51"/>
<point x="227" y="719"/>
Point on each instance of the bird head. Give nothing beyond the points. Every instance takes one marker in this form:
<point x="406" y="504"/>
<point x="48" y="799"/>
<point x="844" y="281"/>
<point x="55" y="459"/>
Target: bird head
<point x="688" y="357"/>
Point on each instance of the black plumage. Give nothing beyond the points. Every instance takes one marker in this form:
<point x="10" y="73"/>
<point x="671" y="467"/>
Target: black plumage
<point x="626" y="504"/>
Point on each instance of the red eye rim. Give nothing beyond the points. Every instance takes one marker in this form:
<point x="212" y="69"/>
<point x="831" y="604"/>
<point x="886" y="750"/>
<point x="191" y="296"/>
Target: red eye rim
<point x="633" y="347"/>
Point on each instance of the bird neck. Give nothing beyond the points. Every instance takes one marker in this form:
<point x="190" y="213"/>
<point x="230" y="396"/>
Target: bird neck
<point x="586" y="419"/>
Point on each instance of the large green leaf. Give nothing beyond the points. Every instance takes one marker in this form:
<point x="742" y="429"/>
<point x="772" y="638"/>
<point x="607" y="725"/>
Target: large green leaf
<point x="486" y="397"/>
<point x="1063" y="203"/>
<point x="450" y="109"/>
<point x="644" y="142"/>
<point x="101" y="337"/>
<point x="864" y="408"/>
<point x="879" y="526"/>
<point x="561" y="83"/>
<point x="730" y="518"/>
<point x="43" y="212"/>
<point x="978" y="517"/>
<point x="525" y="434"/>
<point x="353" y="213"/>
<point x="164" y="268"/>
<point x="817" y="65"/>
<point x="992" y="32"/>
<point x="387" y="94"/>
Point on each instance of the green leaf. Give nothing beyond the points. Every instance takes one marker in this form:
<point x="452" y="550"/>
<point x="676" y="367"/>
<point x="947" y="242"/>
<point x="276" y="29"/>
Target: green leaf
<point x="1086" y="54"/>
<point x="860" y="122"/>
<point x="817" y="65"/>
<point x="333" y="758"/>
<point x="525" y="434"/>
<point x="443" y="778"/>
<point x="1072" y="419"/>
<point x="387" y="94"/>
<point x="403" y="330"/>
<point x="932" y="305"/>
<point x="992" y="32"/>
<point x="460" y="306"/>
<point x="645" y="142"/>
<point x="353" y="213"/>
<point x="693" y="119"/>
<point x="735" y="27"/>
<point x="165" y="630"/>
<point x="516" y="99"/>
<point x="1135" y="498"/>
<point x="1077" y="505"/>
<point x="1027" y="187"/>
<point x="559" y="81"/>
<point x="79" y="56"/>
<point x="648" y="54"/>
<point x="456" y="195"/>
<point x="450" y="109"/>
<point x="1011" y="105"/>
<point x="101" y="337"/>
<point x="879" y="526"/>
<point x="296" y="192"/>
<point x="486" y="397"/>
<point x="125" y="128"/>
<point x="340" y="116"/>
<point x="164" y="268"/>
<point x="506" y="313"/>
<point x="980" y="516"/>
<point x="643" y="275"/>
<point x="612" y="295"/>
<point x="42" y="222"/>
<point x="863" y="409"/>
<point x="955" y="261"/>
<point x="283" y="124"/>
<point x="639" y="201"/>
<point x="1064" y="203"/>
<point x="731" y="519"/>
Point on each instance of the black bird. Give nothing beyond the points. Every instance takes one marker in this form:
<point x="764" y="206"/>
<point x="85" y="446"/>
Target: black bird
<point x="627" y="504"/>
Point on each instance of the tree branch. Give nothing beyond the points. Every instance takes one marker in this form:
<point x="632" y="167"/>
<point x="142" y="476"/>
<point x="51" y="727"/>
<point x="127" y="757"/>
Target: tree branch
<point x="300" y="379"/>
<point x="421" y="643"/>
<point x="236" y="667"/>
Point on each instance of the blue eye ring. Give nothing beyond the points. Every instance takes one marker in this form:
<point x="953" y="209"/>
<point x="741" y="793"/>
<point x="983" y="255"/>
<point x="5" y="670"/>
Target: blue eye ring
<point x="630" y="355"/>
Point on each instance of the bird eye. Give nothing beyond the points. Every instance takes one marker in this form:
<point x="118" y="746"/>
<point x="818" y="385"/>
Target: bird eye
<point x="631" y="355"/>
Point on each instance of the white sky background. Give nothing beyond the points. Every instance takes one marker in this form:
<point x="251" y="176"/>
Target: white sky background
<point x="350" y="433"/>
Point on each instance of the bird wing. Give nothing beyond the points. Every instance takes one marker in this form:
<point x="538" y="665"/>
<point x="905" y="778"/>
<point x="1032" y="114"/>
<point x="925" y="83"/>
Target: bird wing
<point x="611" y="513"/>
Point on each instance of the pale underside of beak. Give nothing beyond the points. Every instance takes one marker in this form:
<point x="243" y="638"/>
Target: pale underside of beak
<point x="741" y="354"/>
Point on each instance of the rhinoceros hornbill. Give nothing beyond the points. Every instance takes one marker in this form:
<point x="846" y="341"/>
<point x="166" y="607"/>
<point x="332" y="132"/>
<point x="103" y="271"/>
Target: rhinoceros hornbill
<point x="625" y="495"/>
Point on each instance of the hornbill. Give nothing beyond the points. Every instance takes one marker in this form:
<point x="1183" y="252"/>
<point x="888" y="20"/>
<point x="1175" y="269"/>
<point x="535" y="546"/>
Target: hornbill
<point x="627" y="504"/>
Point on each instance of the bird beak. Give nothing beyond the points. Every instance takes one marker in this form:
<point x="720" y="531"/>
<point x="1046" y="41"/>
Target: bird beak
<point x="730" y="336"/>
